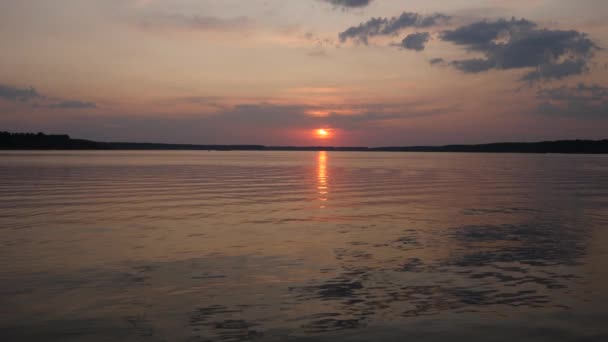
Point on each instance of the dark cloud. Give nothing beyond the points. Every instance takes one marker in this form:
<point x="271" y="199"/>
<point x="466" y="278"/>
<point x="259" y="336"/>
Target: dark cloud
<point x="15" y="94"/>
<point x="474" y="65"/>
<point x="390" y="26"/>
<point x="416" y="41"/>
<point x="73" y="105"/>
<point x="558" y="70"/>
<point x="437" y="61"/>
<point x="349" y="3"/>
<point x="581" y="101"/>
<point x="515" y="44"/>
<point x="481" y="36"/>
<point x="18" y="94"/>
<point x="581" y="91"/>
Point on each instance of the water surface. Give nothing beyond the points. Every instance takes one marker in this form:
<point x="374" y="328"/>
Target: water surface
<point x="302" y="246"/>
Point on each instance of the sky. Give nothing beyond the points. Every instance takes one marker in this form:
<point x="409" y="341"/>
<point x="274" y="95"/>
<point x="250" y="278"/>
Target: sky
<point x="370" y="72"/>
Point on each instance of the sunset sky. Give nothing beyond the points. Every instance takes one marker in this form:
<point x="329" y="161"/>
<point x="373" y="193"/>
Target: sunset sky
<point x="371" y="72"/>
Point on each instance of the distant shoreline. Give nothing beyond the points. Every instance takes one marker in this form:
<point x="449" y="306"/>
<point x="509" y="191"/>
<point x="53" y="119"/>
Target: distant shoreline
<point x="40" y="141"/>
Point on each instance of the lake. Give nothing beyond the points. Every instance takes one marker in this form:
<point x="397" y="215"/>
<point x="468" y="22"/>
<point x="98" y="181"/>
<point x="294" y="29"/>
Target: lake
<point x="302" y="246"/>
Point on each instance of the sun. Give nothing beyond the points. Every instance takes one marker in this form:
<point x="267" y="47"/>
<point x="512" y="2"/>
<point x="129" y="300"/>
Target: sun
<point x="322" y="133"/>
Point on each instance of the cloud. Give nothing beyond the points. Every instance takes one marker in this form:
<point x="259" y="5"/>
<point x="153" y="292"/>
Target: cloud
<point x="15" y="94"/>
<point x="474" y="65"/>
<point x="581" y="91"/>
<point x="349" y="3"/>
<point x="483" y="35"/>
<point x="518" y="44"/>
<point x="177" y="21"/>
<point x="581" y="101"/>
<point x="390" y="26"/>
<point x="437" y="61"/>
<point x="282" y="124"/>
<point x="74" y="104"/>
<point x="255" y="123"/>
<point x="416" y="41"/>
<point x="558" y="70"/>
<point x="317" y="53"/>
<point x="276" y="115"/>
<point x="18" y="94"/>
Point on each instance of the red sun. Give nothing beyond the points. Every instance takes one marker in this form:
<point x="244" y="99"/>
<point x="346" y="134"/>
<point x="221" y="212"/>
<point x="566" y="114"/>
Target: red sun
<point x="322" y="133"/>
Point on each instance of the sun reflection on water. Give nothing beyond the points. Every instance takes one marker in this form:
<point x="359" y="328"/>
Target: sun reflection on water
<point x="322" y="185"/>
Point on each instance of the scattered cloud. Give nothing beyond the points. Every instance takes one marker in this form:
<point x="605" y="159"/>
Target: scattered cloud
<point x="300" y="116"/>
<point x="502" y="44"/>
<point x="178" y="21"/>
<point x="484" y="35"/>
<point x="581" y="101"/>
<point x="516" y="44"/>
<point x="74" y="104"/>
<point x="416" y="41"/>
<point x="13" y="93"/>
<point x="390" y="26"/>
<point x="558" y="70"/>
<point x="581" y="91"/>
<point x="320" y="44"/>
<point x="349" y="3"/>
<point x="317" y="53"/>
<point x="437" y="61"/>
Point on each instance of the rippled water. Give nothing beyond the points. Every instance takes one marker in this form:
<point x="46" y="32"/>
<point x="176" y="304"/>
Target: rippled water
<point x="305" y="246"/>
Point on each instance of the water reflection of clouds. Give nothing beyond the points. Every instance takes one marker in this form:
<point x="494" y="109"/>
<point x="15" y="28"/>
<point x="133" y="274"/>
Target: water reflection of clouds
<point x="525" y="265"/>
<point x="402" y="239"/>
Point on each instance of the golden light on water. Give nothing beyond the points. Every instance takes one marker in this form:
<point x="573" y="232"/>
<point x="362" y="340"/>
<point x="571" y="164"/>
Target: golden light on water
<point x="322" y="186"/>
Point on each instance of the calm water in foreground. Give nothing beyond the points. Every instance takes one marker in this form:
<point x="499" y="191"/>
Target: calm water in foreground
<point x="302" y="246"/>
